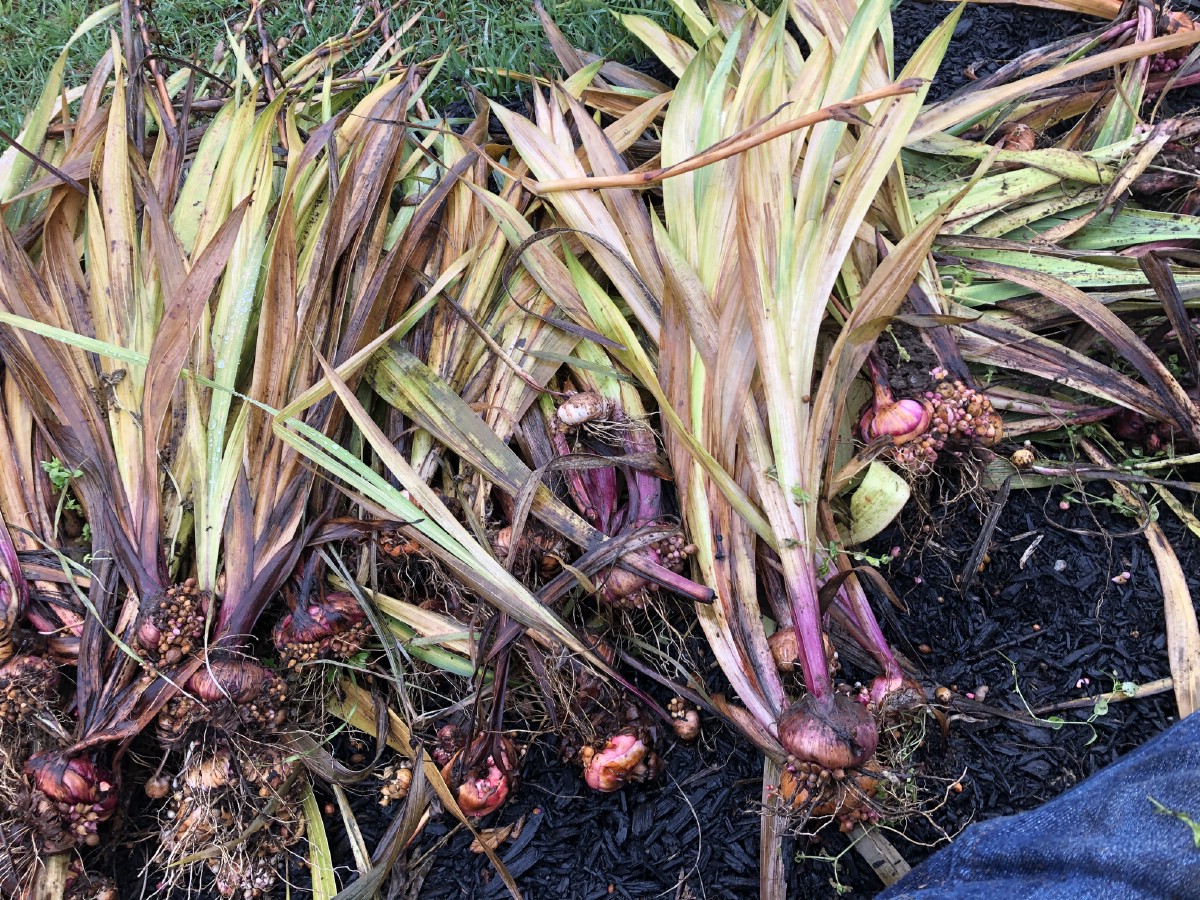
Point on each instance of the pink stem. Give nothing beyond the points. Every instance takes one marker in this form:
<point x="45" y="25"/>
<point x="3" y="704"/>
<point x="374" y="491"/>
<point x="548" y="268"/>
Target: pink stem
<point x="853" y="599"/>
<point x="575" y="486"/>
<point x="806" y="620"/>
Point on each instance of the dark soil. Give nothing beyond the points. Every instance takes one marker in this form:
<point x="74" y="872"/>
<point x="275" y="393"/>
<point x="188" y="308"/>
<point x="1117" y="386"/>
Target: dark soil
<point x="985" y="38"/>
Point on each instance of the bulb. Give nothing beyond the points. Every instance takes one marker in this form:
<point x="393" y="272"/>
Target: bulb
<point x="624" y="589"/>
<point x="901" y="420"/>
<point x="157" y="787"/>
<point x="481" y="788"/>
<point x="259" y="695"/>
<point x="684" y="719"/>
<point x="334" y="628"/>
<point x="586" y="406"/>
<point x="72" y="796"/>
<point x="172" y="625"/>
<point x="785" y="650"/>
<point x="836" y="733"/>
<point x="620" y="760"/>
<point x="826" y="793"/>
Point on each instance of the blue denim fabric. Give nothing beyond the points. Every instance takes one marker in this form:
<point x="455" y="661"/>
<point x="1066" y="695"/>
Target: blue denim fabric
<point x="1102" y="839"/>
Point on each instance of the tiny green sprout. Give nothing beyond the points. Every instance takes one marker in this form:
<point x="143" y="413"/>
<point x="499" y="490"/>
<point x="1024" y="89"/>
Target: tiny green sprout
<point x="60" y="475"/>
<point x="1057" y="722"/>
<point x="800" y="496"/>
<point x="904" y="354"/>
<point x="1182" y="817"/>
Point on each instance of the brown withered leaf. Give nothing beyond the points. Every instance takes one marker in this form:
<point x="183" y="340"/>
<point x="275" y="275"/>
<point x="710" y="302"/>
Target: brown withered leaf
<point x="494" y="837"/>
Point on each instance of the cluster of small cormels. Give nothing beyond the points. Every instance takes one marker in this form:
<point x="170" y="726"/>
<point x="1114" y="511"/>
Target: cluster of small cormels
<point x="214" y="797"/>
<point x="333" y="628"/>
<point x="173" y="626"/>
<point x="224" y="692"/>
<point x="268" y="707"/>
<point x="1172" y="22"/>
<point x="69" y="798"/>
<point x="812" y="774"/>
<point x="395" y="781"/>
<point x="246" y="874"/>
<point x="27" y="684"/>
<point x="960" y="416"/>
<point x="825" y="793"/>
<point x="673" y="551"/>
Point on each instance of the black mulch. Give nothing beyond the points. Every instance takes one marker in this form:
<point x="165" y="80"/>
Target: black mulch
<point x="985" y="38"/>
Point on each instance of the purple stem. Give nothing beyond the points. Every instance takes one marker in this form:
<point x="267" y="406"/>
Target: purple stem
<point x="646" y="485"/>
<point x="806" y="620"/>
<point x="575" y="484"/>
<point x="853" y="600"/>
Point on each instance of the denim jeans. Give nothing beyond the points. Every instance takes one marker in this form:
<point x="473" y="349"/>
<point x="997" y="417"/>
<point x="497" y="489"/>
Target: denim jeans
<point x="1105" y="839"/>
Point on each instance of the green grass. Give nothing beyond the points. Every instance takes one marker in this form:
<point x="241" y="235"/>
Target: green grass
<point x="484" y="35"/>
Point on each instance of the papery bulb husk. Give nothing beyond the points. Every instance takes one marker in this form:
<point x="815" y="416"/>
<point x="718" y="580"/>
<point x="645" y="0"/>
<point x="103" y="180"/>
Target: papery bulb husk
<point x="208" y="772"/>
<point x="1016" y="136"/>
<point x="893" y="696"/>
<point x="785" y="650"/>
<point x="172" y="626"/>
<point x="827" y="797"/>
<point x="71" y="798"/>
<point x="334" y="628"/>
<point x="836" y="733"/>
<point x="536" y="548"/>
<point x="482" y="788"/>
<point x="586" y="406"/>
<point x="27" y="685"/>
<point x="901" y="420"/>
<point x="621" y="760"/>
